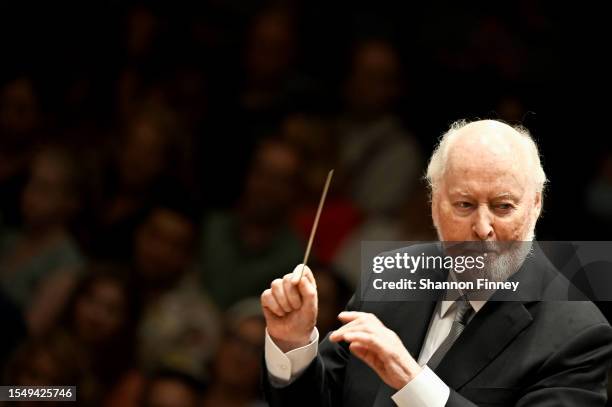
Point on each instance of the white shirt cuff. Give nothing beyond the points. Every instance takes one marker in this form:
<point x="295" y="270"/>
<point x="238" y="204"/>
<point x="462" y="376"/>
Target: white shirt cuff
<point x="425" y="390"/>
<point x="284" y="368"/>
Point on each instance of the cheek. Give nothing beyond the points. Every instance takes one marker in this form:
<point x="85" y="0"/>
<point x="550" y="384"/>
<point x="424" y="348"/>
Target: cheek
<point x="513" y="228"/>
<point x="452" y="227"/>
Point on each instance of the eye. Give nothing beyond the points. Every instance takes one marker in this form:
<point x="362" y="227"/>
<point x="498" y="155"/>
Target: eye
<point x="503" y="207"/>
<point x="463" y="205"/>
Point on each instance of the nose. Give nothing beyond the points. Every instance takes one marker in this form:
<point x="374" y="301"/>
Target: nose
<point x="483" y="224"/>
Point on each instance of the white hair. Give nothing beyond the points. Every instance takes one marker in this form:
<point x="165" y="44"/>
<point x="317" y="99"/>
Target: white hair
<point x="437" y="163"/>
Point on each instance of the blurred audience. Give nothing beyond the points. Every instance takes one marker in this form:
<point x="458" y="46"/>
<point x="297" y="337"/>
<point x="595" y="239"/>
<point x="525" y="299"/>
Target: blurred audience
<point x="412" y="224"/>
<point x="237" y="364"/>
<point x="99" y="320"/>
<point x="150" y="156"/>
<point x="179" y="327"/>
<point x="243" y="250"/>
<point x="39" y="261"/>
<point x="314" y="140"/>
<point x="373" y="145"/>
<point x="172" y="389"/>
<point x="14" y="331"/>
<point x="334" y="292"/>
<point x="20" y="119"/>
<point x="51" y="360"/>
<point x="268" y="61"/>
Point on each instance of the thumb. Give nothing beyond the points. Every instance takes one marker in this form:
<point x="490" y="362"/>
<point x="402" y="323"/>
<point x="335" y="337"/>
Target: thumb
<point x="308" y="292"/>
<point x="299" y="272"/>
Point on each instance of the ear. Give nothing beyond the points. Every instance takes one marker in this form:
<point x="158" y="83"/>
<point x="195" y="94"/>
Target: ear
<point x="537" y="206"/>
<point x="435" y="201"/>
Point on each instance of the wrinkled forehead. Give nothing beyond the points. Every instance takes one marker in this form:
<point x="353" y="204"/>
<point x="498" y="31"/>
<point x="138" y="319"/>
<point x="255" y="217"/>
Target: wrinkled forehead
<point x="492" y="160"/>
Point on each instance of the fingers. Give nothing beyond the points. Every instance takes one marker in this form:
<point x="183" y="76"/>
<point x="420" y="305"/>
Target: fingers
<point x="351" y="326"/>
<point x="292" y="292"/>
<point x="305" y="272"/>
<point x="365" y="339"/>
<point x="345" y="335"/>
<point x="287" y="294"/>
<point x="348" y="316"/>
<point x="309" y="275"/>
<point x="354" y="321"/>
<point x="361" y="351"/>
<point x="307" y="286"/>
<point x="308" y="292"/>
<point x="359" y="326"/>
<point x="278" y="291"/>
<point x="269" y="302"/>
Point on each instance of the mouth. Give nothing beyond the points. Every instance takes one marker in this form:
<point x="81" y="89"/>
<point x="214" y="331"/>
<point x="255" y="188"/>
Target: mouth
<point x="476" y="248"/>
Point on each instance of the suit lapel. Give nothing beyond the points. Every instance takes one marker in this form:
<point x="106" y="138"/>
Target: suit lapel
<point x="495" y="325"/>
<point x="491" y="329"/>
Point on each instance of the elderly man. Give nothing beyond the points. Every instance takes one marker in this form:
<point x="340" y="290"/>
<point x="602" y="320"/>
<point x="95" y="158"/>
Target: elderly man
<point x="487" y="183"/>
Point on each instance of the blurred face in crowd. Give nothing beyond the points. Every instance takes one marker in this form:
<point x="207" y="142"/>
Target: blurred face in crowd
<point x="40" y="369"/>
<point x="141" y="28"/>
<point x="18" y="109"/>
<point x="100" y="312"/>
<point x="314" y="140"/>
<point x="142" y="156"/>
<point x="238" y="359"/>
<point x="49" y="195"/>
<point x="271" y="183"/>
<point x="168" y="392"/>
<point x="270" y="49"/>
<point x="50" y="360"/>
<point x="164" y="245"/>
<point x="487" y="191"/>
<point x="373" y="83"/>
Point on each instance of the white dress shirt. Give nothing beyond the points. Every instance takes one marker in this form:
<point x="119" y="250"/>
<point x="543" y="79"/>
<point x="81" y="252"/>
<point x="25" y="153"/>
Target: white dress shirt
<point x="424" y="390"/>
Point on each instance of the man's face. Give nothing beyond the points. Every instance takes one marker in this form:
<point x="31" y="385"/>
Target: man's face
<point x="47" y="197"/>
<point x="100" y="312"/>
<point x="271" y="182"/>
<point x="237" y="362"/>
<point x="486" y="193"/>
<point x="374" y="80"/>
<point x="269" y="54"/>
<point x="164" y="245"/>
<point x="142" y="156"/>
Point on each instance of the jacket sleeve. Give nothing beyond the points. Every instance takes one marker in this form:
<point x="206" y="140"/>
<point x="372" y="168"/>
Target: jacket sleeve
<point x="322" y="381"/>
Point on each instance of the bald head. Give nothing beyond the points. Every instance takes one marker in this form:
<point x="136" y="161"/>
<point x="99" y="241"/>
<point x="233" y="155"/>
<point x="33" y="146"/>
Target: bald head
<point x="487" y="145"/>
<point x="486" y="182"/>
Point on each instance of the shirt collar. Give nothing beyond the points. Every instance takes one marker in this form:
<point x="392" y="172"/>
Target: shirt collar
<point x="446" y="305"/>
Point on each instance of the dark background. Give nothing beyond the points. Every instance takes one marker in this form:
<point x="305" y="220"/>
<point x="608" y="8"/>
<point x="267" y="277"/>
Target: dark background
<point x="459" y="61"/>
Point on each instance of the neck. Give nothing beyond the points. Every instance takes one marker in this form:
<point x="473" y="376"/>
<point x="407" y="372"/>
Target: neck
<point x="255" y="232"/>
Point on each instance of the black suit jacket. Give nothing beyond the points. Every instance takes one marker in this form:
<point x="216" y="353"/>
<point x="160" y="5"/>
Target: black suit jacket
<point x="512" y="353"/>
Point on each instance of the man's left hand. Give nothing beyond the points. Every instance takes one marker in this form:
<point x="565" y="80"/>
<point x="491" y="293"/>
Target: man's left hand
<point x="378" y="346"/>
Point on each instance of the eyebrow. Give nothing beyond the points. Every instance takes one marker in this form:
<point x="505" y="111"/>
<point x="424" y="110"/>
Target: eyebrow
<point x="506" y="195"/>
<point x="503" y="195"/>
<point x="458" y="192"/>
